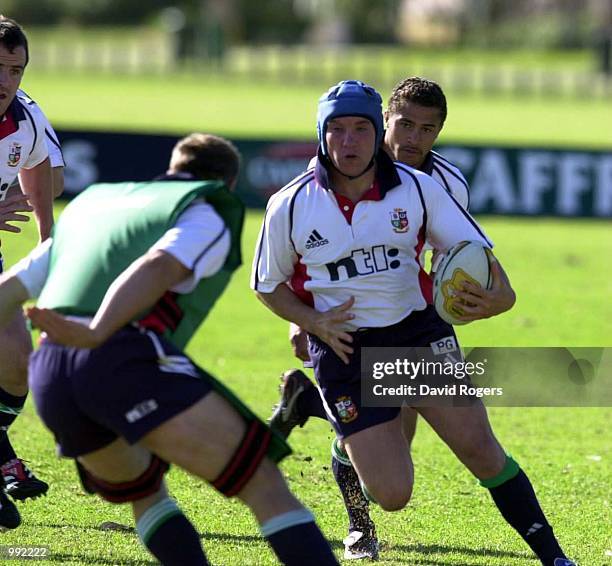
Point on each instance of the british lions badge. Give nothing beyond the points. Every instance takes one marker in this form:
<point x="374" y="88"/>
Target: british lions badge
<point x="347" y="411"/>
<point x="14" y="155"/>
<point x="399" y="220"/>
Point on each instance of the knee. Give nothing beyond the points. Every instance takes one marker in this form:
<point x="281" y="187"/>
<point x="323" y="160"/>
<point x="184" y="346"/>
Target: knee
<point x="391" y="496"/>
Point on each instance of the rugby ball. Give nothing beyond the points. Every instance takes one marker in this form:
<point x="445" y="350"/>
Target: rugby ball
<point x="465" y="261"/>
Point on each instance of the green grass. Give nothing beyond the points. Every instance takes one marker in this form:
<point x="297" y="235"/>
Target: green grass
<point x="248" y="107"/>
<point x="560" y="269"/>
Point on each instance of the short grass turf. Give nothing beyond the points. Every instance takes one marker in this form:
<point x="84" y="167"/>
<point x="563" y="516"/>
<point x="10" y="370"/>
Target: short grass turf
<point x="560" y="269"/>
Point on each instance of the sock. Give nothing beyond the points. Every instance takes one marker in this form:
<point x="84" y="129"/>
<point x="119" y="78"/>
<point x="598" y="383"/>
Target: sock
<point x="309" y="404"/>
<point x="515" y="498"/>
<point x="10" y="407"/>
<point x="356" y="503"/>
<point x="169" y="535"/>
<point x="297" y="541"/>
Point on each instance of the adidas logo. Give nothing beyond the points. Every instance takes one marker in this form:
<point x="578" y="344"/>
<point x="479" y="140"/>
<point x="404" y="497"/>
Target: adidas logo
<point x="315" y="240"/>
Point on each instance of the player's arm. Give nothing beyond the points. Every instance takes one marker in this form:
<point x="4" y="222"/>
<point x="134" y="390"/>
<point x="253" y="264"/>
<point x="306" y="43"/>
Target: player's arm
<point x="12" y="295"/>
<point x="137" y="289"/>
<point x="328" y="326"/>
<point x="57" y="180"/>
<point x="298" y="338"/>
<point x="23" y="281"/>
<point x="37" y="185"/>
<point x="273" y="266"/>
<point x="448" y="224"/>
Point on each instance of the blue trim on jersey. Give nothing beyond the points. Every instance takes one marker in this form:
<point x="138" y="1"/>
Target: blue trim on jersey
<point x="209" y="247"/>
<point x="446" y="185"/>
<point x="54" y="141"/>
<point x="444" y="164"/>
<point x="418" y="185"/>
<point x="17" y="109"/>
<point x="34" y="128"/>
<point x="291" y="208"/>
<point x="446" y="167"/>
<point x="427" y="165"/>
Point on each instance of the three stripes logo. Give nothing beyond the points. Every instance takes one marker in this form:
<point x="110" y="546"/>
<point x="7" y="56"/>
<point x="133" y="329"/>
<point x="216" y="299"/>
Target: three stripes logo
<point x="315" y="240"/>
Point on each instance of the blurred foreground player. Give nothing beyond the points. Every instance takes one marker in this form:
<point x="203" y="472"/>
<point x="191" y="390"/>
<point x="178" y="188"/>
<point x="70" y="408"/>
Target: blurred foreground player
<point x="110" y="379"/>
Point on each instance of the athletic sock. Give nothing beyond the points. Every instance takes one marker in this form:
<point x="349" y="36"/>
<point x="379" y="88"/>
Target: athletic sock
<point x="169" y="535"/>
<point x="309" y="404"/>
<point x="356" y="503"/>
<point x="10" y="407"/>
<point x="515" y="498"/>
<point x="297" y="541"/>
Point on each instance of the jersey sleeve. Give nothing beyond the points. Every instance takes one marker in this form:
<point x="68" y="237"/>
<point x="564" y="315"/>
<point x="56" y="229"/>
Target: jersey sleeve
<point x="54" y="148"/>
<point x="56" y="157"/>
<point x="275" y="255"/>
<point x="200" y="240"/>
<point x="39" y="151"/>
<point x="448" y="223"/>
<point x="33" y="269"/>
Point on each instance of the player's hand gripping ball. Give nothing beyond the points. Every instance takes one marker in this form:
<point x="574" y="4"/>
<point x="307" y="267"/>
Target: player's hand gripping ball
<point x="465" y="261"/>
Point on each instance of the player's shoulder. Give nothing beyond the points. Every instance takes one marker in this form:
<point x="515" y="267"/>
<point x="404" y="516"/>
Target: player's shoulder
<point x="446" y="168"/>
<point x="287" y="194"/>
<point x="409" y="176"/>
<point x="23" y="97"/>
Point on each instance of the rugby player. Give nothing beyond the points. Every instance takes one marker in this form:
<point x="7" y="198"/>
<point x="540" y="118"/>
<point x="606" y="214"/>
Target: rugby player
<point x="24" y="156"/>
<point x="415" y="115"/>
<point x="366" y="287"/>
<point x="110" y="379"/>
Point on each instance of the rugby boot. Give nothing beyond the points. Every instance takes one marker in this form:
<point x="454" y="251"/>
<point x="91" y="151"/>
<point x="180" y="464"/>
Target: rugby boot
<point x="19" y="481"/>
<point x="286" y="416"/>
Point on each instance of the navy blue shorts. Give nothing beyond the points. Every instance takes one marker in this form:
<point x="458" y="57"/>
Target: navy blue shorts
<point x="88" y="398"/>
<point x="341" y="383"/>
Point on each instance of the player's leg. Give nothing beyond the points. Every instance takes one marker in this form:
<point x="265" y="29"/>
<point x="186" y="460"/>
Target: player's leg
<point x="212" y="440"/>
<point x="409" y="423"/>
<point x="382" y="460"/>
<point x="467" y="431"/>
<point x="121" y="473"/>
<point x="299" y="400"/>
<point x="15" y="348"/>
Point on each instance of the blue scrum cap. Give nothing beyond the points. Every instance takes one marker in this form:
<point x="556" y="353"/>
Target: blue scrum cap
<point x="350" y="98"/>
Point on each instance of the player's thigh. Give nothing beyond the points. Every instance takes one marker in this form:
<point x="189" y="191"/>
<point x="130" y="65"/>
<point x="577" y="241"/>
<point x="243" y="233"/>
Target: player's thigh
<point x="201" y="439"/>
<point x="381" y="456"/>
<point x="117" y="462"/>
<point x="409" y="423"/>
<point x="468" y="433"/>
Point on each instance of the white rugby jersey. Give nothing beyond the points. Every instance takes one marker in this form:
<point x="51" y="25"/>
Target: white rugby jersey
<point x="22" y="143"/>
<point x="53" y="145"/>
<point x="329" y="249"/>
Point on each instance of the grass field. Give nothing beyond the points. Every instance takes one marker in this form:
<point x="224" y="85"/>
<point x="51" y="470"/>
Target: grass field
<point x="255" y="109"/>
<point x="560" y="270"/>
